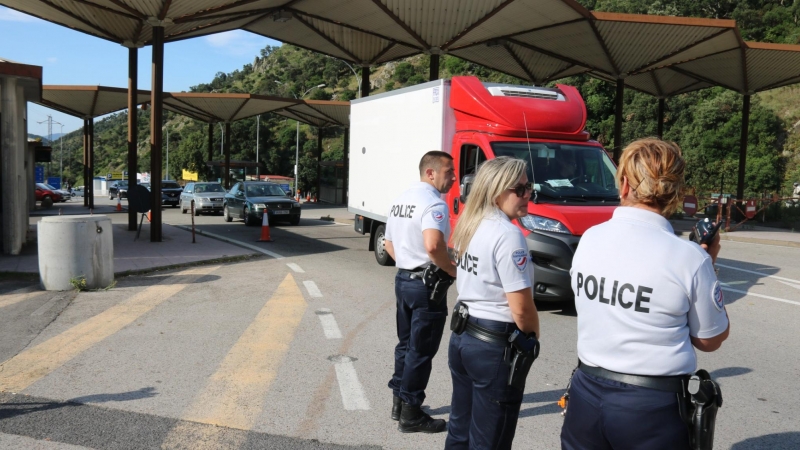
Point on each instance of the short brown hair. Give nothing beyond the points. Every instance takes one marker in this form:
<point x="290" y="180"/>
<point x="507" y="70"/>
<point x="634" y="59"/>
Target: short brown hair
<point x="654" y="169"/>
<point x="432" y="160"/>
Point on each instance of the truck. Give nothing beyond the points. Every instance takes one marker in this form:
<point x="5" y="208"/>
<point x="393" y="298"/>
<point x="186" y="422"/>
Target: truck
<point x="474" y="121"/>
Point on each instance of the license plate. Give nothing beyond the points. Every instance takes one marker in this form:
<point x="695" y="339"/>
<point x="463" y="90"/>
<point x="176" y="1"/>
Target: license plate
<point x="280" y="212"/>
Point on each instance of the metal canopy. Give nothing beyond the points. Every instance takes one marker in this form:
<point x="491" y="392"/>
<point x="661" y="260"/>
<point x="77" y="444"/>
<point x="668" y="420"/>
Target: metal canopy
<point x="319" y="113"/>
<point x="88" y="102"/>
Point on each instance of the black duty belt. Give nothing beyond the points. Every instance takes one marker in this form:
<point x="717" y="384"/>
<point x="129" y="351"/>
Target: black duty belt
<point x="486" y="335"/>
<point x="674" y="384"/>
<point x="415" y="273"/>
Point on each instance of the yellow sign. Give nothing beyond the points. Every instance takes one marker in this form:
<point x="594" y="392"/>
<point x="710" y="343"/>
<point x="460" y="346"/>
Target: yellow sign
<point x="189" y="176"/>
<point x="117" y="175"/>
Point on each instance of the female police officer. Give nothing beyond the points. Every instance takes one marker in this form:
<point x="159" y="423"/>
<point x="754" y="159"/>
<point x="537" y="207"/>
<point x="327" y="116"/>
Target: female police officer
<point x="494" y="282"/>
<point x="644" y="297"/>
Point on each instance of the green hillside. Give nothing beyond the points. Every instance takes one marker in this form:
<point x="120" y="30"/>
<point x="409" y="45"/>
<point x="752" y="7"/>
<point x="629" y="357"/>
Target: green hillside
<point x="706" y="124"/>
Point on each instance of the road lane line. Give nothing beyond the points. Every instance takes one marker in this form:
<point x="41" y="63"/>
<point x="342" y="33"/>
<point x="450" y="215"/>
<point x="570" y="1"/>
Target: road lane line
<point x="236" y="394"/>
<point x="353" y="396"/>
<point x="19" y="295"/>
<point x="295" y="267"/>
<point x="758" y="273"/>
<point x="796" y="286"/>
<point x="760" y="295"/>
<point x="39" y="361"/>
<point x="329" y="325"/>
<point x="312" y="288"/>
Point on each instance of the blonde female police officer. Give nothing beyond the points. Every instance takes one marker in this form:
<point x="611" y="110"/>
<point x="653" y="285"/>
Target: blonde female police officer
<point x="644" y="298"/>
<point x="494" y="282"/>
<point x="416" y="236"/>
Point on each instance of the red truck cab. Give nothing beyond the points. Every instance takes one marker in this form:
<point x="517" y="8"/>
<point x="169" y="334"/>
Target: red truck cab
<point x="573" y="177"/>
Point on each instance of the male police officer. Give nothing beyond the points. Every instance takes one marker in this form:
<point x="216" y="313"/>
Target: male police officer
<point x="416" y="236"/>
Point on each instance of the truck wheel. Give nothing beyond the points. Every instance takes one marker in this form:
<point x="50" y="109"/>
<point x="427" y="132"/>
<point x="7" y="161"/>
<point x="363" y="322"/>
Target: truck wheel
<point x="381" y="255"/>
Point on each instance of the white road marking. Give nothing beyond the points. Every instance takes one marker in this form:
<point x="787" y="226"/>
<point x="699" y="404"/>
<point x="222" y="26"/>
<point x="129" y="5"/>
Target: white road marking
<point x="353" y="396"/>
<point x="312" y="288"/>
<point x="329" y="325"/>
<point x="796" y="286"/>
<point x="760" y="295"/>
<point x="759" y="273"/>
<point x="44" y="308"/>
<point x="231" y="241"/>
<point x="295" y="267"/>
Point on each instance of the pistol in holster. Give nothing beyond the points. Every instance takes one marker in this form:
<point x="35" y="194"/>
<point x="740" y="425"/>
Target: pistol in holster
<point x="522" y="351"/>
<point x="438" y="281"/>
<point x="459" y="318"/>
<point x="699" y="409"/>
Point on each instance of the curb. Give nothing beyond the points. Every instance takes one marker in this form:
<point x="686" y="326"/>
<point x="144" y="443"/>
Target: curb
<point x="230" y="241"/>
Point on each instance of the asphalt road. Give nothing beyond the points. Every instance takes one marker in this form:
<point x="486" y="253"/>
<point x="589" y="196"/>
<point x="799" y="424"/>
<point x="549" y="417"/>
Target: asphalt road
<point x="294" y="350"/>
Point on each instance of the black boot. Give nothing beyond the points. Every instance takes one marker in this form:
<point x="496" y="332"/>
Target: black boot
<point x="413" y="420"/>
<point x="397" y="407"/>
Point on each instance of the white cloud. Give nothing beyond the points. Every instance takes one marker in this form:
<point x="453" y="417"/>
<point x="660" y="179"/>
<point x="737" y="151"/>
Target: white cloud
<point x="10" y="15"/>
<point x="52" y="60"/>
<point x="236" y="42"/>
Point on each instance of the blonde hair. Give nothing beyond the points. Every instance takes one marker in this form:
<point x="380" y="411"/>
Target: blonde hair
<point x="493" y="178"/>
<point x="654" y="169"/>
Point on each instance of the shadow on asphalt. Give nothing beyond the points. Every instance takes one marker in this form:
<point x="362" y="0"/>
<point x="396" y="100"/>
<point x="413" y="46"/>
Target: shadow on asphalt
<point x="145" y="392"/>
<point x="174" y="279"/>
<point x="550" y="397"/>
<point x="286" y="241"/>
<point x="563" y="308"/>
<point x="733" y="297"/>
<point x="786" y="440"/>
<point x="727" y="372"/>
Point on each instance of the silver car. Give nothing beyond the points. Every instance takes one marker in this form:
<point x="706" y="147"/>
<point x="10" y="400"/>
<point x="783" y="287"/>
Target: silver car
<point x="207" y="198"/>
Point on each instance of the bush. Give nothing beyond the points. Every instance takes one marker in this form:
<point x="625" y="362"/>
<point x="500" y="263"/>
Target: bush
<point x="403" y="72"/>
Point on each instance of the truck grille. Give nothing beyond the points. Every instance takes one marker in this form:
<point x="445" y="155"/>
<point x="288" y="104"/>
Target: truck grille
<point x="531" y="94"/>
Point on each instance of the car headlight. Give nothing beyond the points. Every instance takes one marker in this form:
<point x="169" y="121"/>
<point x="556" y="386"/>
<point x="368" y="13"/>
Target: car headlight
<point x="538" y="223"/>
<point x="259" y="206"/>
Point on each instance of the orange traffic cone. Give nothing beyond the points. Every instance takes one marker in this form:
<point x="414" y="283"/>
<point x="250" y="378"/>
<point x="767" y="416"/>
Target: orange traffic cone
<point x="316" y="199"/>
<point x="148" y="216"/>
<point x="308" y="197"/>
<point x="119" y="204"/>
<point x="265" y="229"/>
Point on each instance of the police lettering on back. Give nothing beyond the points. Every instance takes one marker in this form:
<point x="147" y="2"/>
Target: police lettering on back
<point x="403" y="211"/>
<point x="468" y="263"/>
<point x="590" y="290"/>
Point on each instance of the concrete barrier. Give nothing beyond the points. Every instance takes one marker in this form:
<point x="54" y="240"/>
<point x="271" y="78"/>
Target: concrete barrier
<point x="73" y="249"/>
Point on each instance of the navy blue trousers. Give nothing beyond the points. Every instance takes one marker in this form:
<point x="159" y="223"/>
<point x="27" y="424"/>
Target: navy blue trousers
<point x="609" y="415"/>
<point x="420" y="324"/>
<point x="484" y="409"/>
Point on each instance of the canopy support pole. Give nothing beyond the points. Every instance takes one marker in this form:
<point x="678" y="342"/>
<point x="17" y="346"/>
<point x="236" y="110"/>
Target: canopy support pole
<point x="227" y="146"/>
<point x="133" y="129"/>
<point x="346" y="163"/>
<point x="364" y="81"/>
<point x="90" y="170"/>
<point x="319" y="161"/>
<point x="156" y="138"/>
<point x="210" y="141"/>
<point x="660" y="124"/>
<point x="620" y="97"/>
<point x="86" y="187"/>
<point x="743" y="146"/>
<point x="434" y="68"/>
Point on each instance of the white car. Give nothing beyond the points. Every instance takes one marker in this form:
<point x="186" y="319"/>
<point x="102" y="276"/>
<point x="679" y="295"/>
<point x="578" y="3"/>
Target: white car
<point x="65" y="195"/>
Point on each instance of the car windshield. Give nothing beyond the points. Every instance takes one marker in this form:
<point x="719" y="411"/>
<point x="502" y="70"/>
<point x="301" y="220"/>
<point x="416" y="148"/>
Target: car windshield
<point x="170" y="185"/>
<point x="565" y="172"/>
<point x="42" y="186"/>
<point x="264" y="190"/>
<point x="50" y="187"/>
<point x="122" y="183"/>
<point x="199" y="188"/>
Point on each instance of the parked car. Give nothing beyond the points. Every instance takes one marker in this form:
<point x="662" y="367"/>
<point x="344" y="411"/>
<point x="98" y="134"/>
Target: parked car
<point x="164" y="197"/>
<point x="207" y="198"/>
<point x="173" y="191"/>
<point x="65" y="194"/>
<point x="77" y="191"/>
<point x="247" y="200"/>
<point x="45" y="195"/>
<point x="118" y="187"/>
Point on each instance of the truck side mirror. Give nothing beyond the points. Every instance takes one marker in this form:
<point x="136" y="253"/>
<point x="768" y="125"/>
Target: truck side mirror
<point x="466" y="185"/>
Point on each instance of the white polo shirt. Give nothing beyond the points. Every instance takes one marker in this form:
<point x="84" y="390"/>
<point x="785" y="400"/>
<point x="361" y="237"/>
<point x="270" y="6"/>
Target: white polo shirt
<point x="417" y="209"/>
<point x="497" y="261"/>
<point x="640" y="292"/>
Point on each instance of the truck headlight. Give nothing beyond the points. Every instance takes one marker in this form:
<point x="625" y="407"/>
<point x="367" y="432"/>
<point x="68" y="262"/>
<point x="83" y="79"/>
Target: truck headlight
<point x="538" y="223"/>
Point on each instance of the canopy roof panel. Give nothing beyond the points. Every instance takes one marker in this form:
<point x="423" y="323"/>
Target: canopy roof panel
<point x="319" y="113"/>
<point x="223" y="107"/>
<point x="88" y="102"/>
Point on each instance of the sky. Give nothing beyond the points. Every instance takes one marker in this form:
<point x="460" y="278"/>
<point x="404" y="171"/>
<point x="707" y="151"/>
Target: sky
<point x="71" y="57"/>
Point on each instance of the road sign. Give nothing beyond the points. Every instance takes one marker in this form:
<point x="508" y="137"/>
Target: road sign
<point x="750" y="209"/>
<point x="690" y="205"/>
<point x="39" y="171"/>
<point x="54" y="181"/>
<point x="116" y="175"/>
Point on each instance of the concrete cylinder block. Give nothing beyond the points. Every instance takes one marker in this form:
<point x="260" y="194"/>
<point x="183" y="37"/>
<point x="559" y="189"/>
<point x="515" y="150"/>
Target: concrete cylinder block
<point x="75" y="248"/>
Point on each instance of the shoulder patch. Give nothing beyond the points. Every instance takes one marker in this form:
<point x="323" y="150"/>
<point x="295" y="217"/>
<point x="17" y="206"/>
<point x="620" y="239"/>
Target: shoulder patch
<point x="437" y="215"/>
<point x="520" y="258"/>
<point x="716" y="294"/>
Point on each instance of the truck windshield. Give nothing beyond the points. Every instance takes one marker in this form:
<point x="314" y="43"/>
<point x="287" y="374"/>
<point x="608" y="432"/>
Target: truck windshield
<point x="565" y="172"/>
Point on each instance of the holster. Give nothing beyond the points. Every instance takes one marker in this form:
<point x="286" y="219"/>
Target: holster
<point x="520" y="355"/>
<point x="438" y="280"/>
<point x="699" y="409"/>
<point x="459" y="318"/>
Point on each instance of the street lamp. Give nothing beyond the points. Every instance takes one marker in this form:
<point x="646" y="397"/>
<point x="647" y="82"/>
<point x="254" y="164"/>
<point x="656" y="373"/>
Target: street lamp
<point x="61" y="154"/>
<point x="358" y="78"/>
<point x="297" y="138"/>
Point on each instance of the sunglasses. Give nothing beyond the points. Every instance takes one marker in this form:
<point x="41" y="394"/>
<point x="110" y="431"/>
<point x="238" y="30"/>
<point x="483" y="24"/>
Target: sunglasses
<point x="522" y="189"/>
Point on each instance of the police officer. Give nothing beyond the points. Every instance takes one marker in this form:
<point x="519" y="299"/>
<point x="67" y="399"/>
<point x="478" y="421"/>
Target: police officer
<point x="416" y="236"/>
<point x="494" y="283"/>
<point x="645" y="300"/>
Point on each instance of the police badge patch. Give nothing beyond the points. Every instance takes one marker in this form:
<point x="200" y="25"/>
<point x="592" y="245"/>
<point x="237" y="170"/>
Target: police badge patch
<point x="438" y="216"/>
<point x="716" y="294"/>
<point x="520" y="257"/>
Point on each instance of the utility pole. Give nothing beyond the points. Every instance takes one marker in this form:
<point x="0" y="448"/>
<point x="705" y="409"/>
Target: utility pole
<point x="50" y="123"/>
<point x="258" y="128"/>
